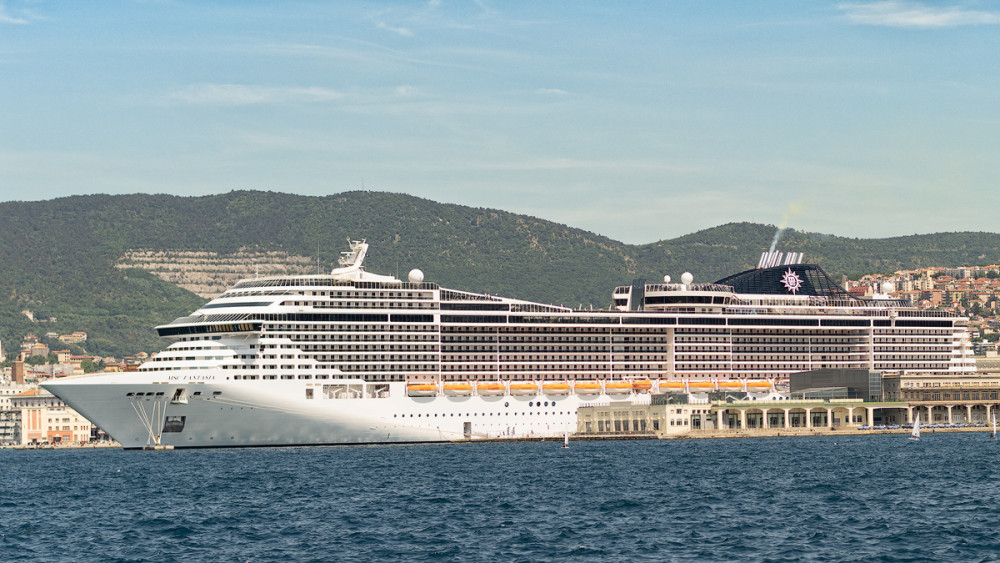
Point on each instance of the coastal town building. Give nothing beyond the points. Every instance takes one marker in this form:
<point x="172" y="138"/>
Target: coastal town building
<point x="46" y="419"/>
<point x="75" y="338"/>
<point x="10" y="418"/>
<point x="845" y="400"/>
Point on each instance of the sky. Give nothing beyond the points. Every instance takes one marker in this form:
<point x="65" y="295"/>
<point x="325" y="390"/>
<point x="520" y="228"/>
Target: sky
<point x="640" y="121"/>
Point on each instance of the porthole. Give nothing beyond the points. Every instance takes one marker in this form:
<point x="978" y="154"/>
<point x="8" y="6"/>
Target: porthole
<point x="531" y="403"/>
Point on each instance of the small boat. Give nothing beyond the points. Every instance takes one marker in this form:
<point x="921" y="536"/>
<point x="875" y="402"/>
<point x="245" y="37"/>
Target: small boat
<point x="702" y="385"/>
<point x="759" y="384"/>
<point x="642" y="386"/>
<point x="556" y="388"/>
<point x="671" y="385"/>
<point x="587" y="387"/>
<point x="523" y="388"/>
<point x="491" y="388"/>
<point x="421" y="389"/>
<point x="565" y="440"/>
<point x="994" y="433"/>
<point x="457" y="389"/>
<point x="617" y="387"/>
<point x="730" y="385"/>
<point x="915" y="435"/>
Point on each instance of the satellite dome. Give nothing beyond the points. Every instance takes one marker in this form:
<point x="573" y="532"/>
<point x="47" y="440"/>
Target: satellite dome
<point x="687" y="278"/>
<point x="416" y="276"/>
<point x="887" y="287"/>
<point x="666" y="279"/>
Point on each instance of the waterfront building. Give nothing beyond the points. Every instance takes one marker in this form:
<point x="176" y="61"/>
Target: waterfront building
<point x="946" y="400"/>
<point x="824" y="399"/>
<point x="702" y="415"/>
<point x="45" y="418"/>
<point x="10" y="418"/>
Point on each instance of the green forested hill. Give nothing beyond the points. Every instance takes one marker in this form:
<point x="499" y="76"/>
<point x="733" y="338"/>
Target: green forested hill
<point x="58" y="256"/>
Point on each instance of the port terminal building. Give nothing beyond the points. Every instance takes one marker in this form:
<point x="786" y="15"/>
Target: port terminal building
<point x="826" y="399"/>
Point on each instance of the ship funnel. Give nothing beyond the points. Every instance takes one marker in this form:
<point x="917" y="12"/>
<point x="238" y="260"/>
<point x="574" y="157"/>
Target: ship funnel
<point x="774" y="258"/>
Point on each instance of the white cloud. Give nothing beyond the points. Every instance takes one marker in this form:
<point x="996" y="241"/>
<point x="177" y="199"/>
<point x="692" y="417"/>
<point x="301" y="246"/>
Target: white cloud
<point x="397" y="30"/>
<point x="897" y="13"/>
<point x="7" y="18"/>
<point x="552" y="91"/>
<point x="242" y="95"/>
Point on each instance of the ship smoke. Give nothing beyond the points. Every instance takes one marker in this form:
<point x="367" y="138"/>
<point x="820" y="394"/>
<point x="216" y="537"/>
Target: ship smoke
<point x="777" y="237"/>
<point x="794" y="209"/>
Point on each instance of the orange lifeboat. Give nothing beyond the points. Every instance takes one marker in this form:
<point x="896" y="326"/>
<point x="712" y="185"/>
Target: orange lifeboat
<point x="556" y="388"/>
<point x="421" y="389"/>
<point x="671" y="385"/>
<point x="642" y="386"/>
<point x="730" y="385"/>
<point x="523" y="388"/>
<point x="617" y="387"/>
<point x="457" y="389"/>
<point x="587" y="387"/>
<point x="701" y="385"/>
<point x="491" y="388"/>
<point x="759" y="384"/>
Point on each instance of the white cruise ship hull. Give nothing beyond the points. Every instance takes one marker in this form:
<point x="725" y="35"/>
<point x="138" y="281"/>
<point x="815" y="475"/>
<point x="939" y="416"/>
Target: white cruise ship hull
<point x="141" y="414"/>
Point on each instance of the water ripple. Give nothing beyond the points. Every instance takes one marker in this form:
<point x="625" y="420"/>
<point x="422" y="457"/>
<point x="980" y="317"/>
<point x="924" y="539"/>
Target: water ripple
<point x="873" y="498"/>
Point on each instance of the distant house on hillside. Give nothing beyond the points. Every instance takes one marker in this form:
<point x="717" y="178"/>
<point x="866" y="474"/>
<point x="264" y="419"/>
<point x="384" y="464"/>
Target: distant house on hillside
<point x="75" y="338"/>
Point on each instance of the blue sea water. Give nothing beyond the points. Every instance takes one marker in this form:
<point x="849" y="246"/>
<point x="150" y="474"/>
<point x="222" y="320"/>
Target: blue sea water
<point x="863" y="498"/>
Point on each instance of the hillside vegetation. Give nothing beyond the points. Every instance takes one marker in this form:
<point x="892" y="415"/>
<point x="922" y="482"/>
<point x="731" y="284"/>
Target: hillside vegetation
<point x="58" y="257"/>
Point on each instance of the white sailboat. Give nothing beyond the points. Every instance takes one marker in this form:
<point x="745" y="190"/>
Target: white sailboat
<point x="994" y="433"/>
<point x="565" y="440"/>
<point x="915" y="435"/>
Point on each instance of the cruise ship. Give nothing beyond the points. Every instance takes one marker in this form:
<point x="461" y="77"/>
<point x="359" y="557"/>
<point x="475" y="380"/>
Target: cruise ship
<point x="355" y="357"/>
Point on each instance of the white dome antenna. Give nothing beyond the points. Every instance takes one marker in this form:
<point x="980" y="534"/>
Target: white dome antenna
<point x="666" y="279"/>
<point x="415" y="276"/>
<point x="687" y="278"/>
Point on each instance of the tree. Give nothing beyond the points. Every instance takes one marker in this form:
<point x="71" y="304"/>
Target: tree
<point x="90" y="366"/>
<point x="36" y="360"/>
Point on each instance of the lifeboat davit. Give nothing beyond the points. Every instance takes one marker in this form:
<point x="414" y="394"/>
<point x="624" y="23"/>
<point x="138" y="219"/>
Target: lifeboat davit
<point x="421" y="389"/>
<point x="458" y="389"/>
<point x="587" y="387"/>
<point x="642" y="386"/>
<point x="523" y="388"/>
<point x="671" y="385"/>
<point x="617" y="387"/>
<point x="701" y="385"/>
<point x="491" y="388"/>
<point x="556" y="388"/>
